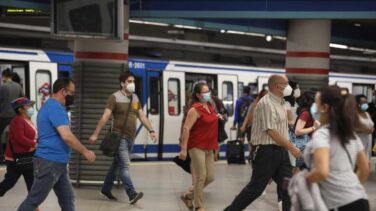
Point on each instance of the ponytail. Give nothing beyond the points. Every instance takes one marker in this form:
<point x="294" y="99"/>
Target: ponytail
<point x="342" y="115"/>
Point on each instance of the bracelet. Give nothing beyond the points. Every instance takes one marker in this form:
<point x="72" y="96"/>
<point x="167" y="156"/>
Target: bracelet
<point x="151" y="131"/>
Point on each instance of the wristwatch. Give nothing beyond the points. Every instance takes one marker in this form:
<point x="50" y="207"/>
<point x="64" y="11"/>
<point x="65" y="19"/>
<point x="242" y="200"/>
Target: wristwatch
<point x="151" y="131"/>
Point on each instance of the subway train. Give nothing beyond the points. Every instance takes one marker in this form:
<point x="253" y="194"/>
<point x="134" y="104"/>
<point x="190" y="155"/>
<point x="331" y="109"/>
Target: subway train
<point x="161" y="85"/>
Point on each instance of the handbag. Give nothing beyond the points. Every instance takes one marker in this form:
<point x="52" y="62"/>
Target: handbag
<point x="24" y="161"/>
<point x="111" y="142"/>
<point x="299" y="141"/>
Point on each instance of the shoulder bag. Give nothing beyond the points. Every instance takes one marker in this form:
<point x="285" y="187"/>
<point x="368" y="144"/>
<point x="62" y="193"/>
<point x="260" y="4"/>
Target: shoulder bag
<point x="24" y="161"/>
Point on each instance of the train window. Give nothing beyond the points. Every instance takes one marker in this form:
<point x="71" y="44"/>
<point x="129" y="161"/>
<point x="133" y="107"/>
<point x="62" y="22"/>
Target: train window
<point x="173" y="96"/>
<point x="43" y="87"/>
<point x="228" y="96"/>
<point x="364" y="89"/>
<point x="154" y="95"/>
<point x="138" y="91"/>
<point x="240" y="88"/>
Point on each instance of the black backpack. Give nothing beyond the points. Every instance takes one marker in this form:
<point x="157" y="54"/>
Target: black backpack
<point x="243" y="108"/>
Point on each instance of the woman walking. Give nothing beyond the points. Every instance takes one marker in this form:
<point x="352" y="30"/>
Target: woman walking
<point x="23" y="139"/>
<point x="200" y="139"/>
<point x="335" y="150"/>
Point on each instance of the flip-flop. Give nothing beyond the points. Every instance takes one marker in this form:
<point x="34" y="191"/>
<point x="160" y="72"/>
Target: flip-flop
<point x="185" y="199"/>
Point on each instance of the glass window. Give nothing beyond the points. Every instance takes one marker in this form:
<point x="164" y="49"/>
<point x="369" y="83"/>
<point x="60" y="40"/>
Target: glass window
<point x="240" y="88"/>
<point x="228" y="96"/>
<point x="139" y="88"/>
<point x="154" y="95"/>
<point x="364" y="89"/>
<point x="43" y="87"/>
<point x="173" y="97"/>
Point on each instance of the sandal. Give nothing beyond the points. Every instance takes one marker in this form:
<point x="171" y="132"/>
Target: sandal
<point x="187" y="201"/>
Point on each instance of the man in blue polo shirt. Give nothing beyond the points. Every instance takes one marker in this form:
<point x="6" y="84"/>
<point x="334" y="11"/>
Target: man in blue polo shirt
<point x="54" y="148"/>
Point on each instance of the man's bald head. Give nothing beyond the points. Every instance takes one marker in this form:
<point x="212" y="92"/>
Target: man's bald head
<point x="276" y="79"/>
<point x="277" y="83"/>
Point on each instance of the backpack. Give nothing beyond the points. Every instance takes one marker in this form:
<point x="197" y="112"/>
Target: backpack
<point x="243" y="108"/>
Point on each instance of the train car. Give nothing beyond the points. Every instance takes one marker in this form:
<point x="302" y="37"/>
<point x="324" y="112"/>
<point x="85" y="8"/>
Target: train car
<point x="161" y="86"/>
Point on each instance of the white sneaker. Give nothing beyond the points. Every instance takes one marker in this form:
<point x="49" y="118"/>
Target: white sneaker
<point x="280" y="206"/>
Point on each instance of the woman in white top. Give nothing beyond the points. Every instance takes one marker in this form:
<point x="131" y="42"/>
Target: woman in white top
<point x="335" y="150"/>
<point x="365" y="128"/>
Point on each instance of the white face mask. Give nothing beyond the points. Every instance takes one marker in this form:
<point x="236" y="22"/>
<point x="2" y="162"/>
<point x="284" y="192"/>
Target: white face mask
<point x="297" y="93"/>
<point x="287" y="91"/>
<point x="131" y="87"/>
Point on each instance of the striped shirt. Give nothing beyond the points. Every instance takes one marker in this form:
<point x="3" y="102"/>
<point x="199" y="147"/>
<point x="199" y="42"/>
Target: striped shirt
<point x="270" y="113"/>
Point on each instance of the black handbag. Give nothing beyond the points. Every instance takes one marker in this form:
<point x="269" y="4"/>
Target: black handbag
<point x="24" y="161"/>
<point x="111" y="142"/>
<point x="222" y="135"/>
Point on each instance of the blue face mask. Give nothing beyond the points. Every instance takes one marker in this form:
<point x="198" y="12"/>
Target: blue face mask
<point x="315" y="114"/>
<point x="364" y="107"/>
<point x="206" y="97"/>
<point x="30" y="112"/>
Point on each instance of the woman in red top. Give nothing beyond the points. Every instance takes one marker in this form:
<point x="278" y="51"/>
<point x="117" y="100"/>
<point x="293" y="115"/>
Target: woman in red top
<point x="22" y="136"/>
<point x="200" y="139"/>
<point x="305" y="124"/>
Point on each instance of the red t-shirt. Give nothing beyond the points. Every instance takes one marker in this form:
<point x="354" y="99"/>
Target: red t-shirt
<point x="204" y="133"/>
<point x="307" y="117"/>
<point x="22" y="136"/>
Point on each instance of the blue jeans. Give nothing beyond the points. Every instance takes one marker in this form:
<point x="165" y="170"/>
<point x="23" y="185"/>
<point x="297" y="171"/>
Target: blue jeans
<point x="49" y="175"/>
<point x="121" y="162"/>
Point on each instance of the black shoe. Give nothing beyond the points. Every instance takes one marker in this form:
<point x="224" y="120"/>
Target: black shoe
<point x="108" y="195"/>
<point x="137" y="197"/>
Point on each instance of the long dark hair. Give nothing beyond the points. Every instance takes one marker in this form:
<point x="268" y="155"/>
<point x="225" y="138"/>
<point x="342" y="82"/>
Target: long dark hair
<point x="305" y="101"/>
<point x="291" y="99"/>
<point x="197" y="90"/>
<point x="342" y="115"/>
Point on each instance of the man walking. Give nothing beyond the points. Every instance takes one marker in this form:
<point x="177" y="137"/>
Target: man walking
<point x="125" y="107"/>
<point x="270" y="141"/>
<point x="53" y="150"/>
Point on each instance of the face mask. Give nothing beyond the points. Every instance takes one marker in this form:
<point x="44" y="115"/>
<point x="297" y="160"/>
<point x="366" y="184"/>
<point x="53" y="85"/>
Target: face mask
<point x="131" y="87"/>
<point x="315" y="114"/>
<point x="206" y="97"/>
<point x="287" y="91"/>
<point x="364" y="107"/>
<point x="69" y="99"/>
<point x="30" y="112"/>
<point x="297" y="93"/>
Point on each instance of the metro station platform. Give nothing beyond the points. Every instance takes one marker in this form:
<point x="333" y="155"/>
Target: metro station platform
<point x="162" y="184"/>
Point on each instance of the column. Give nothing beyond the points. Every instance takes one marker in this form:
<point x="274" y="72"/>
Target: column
<point x="308" y="51"/>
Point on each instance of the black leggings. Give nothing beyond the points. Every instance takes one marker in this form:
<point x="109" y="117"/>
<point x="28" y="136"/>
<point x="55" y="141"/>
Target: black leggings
<point x="359" y="205"/>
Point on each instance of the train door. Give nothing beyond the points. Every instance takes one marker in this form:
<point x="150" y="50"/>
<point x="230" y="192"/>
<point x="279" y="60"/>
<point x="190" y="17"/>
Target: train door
<point x="154" y="89"/>
<point x="41" y="76"/>
<point x="228" y="92"/>
<point x="173" y="100"/>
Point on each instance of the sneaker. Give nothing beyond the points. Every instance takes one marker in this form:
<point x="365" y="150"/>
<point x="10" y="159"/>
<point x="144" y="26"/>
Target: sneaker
<point x="137" y="197"/>
<point x="280" y="206"/>
<point x="108" y="195"/>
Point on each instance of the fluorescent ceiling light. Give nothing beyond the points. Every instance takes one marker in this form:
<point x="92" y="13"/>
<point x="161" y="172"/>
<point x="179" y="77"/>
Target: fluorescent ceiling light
<point x="187" y="27"/>
<point x="148" y="23"/>
<point x="333" y="45"/>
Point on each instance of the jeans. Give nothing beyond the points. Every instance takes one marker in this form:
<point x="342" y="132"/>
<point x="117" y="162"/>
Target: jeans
<point x="11" y="177"/>
<point x="4" y="122"/>
<point x="269" y="161"/>
<point x="49" y="175"/>
<point x="121" y="162"/>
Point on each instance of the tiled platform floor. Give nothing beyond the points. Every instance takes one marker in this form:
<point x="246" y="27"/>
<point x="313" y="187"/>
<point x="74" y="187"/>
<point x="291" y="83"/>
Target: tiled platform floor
<point x="162" y="183"/>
